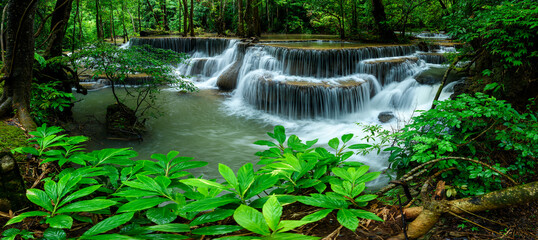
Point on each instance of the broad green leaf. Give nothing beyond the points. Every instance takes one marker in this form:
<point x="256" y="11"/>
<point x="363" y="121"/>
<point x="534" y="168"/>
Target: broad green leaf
<point x="203" y="183"/>
<point x="87" y="206"/>
<point x="324" y="201"/>
<point x="40" y="198"/>
<point x="22" y="216"/>
<point x="78" y="194"/>
<point x="108" y="224"/>
<point x="239" y="238"/>
<point x="209" y="203"/>
<point x="260" y="184"/>
<point x="141" y="204"/>
<point x="366" y="198"/>
<point x="342" y="173"/>
<point x="293" y="236"/>
<point x="334" y="143"/>
<point x="162" y="215"/>
<point x="359" y="146"/>
<point x="114" y="236"/>
<point x="280" y="134"/>
<point x="214" y="216"/>
<point x="162" y="236"/>
<point x="60" y="221"/>
<point x="347" y="219"/>
<point x="365" y="214"/>
<point x="216" y="230"/>
<point x="286" y="225"/>
<point x="368" y="177"/>
<point x="251" y="219"/>
<point x="347" y="137"/>
<point x="272" y="211"/>
<point x="170" y="227"/>
<point x="135" y="193"/>
<point x="265" y="143"/>
<point x="245" y="177"/>
<point x="54" y="234"/>
<point x="282" y="199"/>
<point x="314" y="217"/>
<point x="229" y="176"/>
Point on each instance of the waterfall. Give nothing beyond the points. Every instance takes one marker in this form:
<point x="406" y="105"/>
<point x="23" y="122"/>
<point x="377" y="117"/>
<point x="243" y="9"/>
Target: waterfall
<point x="296" y="83"/>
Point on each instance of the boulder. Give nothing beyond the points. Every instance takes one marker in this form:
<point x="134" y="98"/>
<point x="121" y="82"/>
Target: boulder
<point x="12" y="189"/>
<point x="197" y="66"/>
<point x="434" y="75"/>
<point x="385" y="117"/>
<point x="227" y="81"/>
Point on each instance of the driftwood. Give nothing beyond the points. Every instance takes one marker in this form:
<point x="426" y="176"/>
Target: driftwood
<point x="428" y="215"/>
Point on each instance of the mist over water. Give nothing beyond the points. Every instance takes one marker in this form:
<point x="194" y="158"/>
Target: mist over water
<point x="313" y="93"/>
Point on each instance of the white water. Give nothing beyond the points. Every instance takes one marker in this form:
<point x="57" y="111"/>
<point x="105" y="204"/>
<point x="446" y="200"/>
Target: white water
<point x="323" y="104"/>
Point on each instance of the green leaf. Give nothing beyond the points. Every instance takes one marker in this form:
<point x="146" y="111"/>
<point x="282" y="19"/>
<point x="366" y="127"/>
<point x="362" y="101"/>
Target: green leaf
<point x="347" y="219"/>
<point x="170" y="227"/>
<point x="80" y="193"/>
<point x="216" y="230"/>
<point x="245" y="177"/>
<point x="365" y="214"/>
<point x="196" y="182"/>
<point x="40" y="198"/>
<point x="324" y="201"/>
<point x="141" y="204"/>
<point x="292" y="236"/>
<point x="25" y="215"/>
<point x="251" y="219"/>
<point x="265" y="143"/>
<point x="314" y="217"/>
<point x="366" y="198"/>
<point x="359" y="146"/>
<point x="208" y="203"/>
<point x="347" y="137"/>
<point x="115" y="236"/>
<point x="54" y="234"/>
<point x="60" y="221"/>
<point x="87" y="206"/>
<point x="286" y="225"/>
<point x="280" y="134"/>
<point x="108" y="224"/>
<point x="333" y="143"/>
<point x="272" y="211"/>
<point x="229" y="176"/>
<point x="214" y="216"/>
<point x="162" y="215"/>
<point x="165" y="236"/>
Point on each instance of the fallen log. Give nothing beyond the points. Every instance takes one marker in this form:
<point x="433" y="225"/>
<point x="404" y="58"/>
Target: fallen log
<point x="428" y="215"/>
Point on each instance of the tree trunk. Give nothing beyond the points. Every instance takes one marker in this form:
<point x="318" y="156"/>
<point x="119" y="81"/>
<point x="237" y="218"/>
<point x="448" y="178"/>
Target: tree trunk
<point x="58" y="24"/>
<point x="19" y="61"/>
<point x="98" y="23"/>
<point x="383" y="29"/>
<point x="112" y="29"/>
<point x="165" y="17"/>
<point x="240" y="27"/>
<point x="77" y="12"/>
<point x="431" y="212"/>
<point x="139" y="18"/>
<point x="191" y="21"/>
<point x="185" y="18"/>
<point x="123" y="10"/>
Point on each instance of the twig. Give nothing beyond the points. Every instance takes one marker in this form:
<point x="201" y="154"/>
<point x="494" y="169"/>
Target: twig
<point x="333" y="234"/>
<point x="468" y="220"/>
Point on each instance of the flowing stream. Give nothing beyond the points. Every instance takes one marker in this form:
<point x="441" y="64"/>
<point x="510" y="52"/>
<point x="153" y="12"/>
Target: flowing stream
<point x="318" y="91"/>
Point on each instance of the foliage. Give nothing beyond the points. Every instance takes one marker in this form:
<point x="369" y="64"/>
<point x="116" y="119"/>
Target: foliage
<point x="47" y="101"/>
<point x="159" y="198"/>
<point x="477" y="126"/>
<point x="118" y="64"/>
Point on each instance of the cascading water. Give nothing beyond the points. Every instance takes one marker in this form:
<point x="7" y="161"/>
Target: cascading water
<point x="314" y="93"/>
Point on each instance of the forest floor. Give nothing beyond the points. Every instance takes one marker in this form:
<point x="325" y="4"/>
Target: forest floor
<point x="519" y="222"/>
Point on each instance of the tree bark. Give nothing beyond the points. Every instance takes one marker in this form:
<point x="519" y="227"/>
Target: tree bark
<point x="383" y="29"/>
<point x="60" y="18"/>
<point x="240" y="27"/>
<point x="165" y="17"/>
<point x="98" y="23"/>
<point x="191" y="21"/>
<point x="432" y="211"/>
<point x="19" y="59"/>
<point x="185" y="18"/>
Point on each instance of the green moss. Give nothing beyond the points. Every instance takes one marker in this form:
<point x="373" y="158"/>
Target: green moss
<point x="11" y="137"/>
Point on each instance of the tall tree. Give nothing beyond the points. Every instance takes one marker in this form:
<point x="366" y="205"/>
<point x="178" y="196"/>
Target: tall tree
<point x="240" y="24"/>
<point x="191" y="21"/>
<point x="60" y="18"/>
<point x="382" y="27"/>
<point x="98" y="21"/>
<point x="19" y="60"/>
<point x="185" y="17"/>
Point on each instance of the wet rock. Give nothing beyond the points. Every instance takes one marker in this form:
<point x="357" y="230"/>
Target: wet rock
<point x="434" y="75"/>
<point x="227" y="81"/>
<point x="385" y="117"/>
<point x="12" y="189"/>
<point x="197" y="65"/>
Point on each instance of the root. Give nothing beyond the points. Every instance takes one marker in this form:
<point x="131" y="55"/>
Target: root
<point x="431" y="211"/>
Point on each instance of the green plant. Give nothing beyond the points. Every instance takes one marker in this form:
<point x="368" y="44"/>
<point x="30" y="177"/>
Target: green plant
<point x="47" y="100"/>
<point x="346" y="189"/>
<point x="12" y="233"/>
<point x="268" y="223"/>
<point x="477" y="126"/>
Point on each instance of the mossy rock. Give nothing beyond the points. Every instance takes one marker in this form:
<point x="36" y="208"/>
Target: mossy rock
<point x="12" y="137"/>
<point x="122" y="122"/>
<point x="12" y="189"/>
